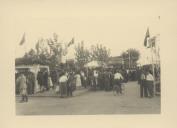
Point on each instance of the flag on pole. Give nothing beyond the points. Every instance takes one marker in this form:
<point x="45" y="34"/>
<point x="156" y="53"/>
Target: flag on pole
<point x="22" y="40"/>
<point x="71" y="42"/>
<point x="152" y="42"/>
<point x="145" y="39"/>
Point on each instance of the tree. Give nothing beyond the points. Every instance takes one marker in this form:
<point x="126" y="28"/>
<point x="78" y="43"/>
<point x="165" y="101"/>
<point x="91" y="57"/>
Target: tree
<point x="130" y="57"/>
<point x="100" y="53"/>
<point x="39" y="55"/>
<point x="42" y="52"/>
<point x="27" y="59"/>
<point x="82" y="55"/>
<point x="42" y="47"/>
<point x="55" y="54"/>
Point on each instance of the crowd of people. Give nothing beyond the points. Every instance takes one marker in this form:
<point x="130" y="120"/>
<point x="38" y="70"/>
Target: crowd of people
<point x="95" y="79"/>
<point x="30" y="81"/>
<point x="66" y="81"/>
<point x="146" y="82"/>
<point x="103" y="79"/>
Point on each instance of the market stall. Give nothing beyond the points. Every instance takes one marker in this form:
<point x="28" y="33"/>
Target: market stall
<point x="32" y="69"/>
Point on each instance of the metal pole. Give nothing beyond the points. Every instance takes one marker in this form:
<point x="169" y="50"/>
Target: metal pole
<point x="129" y="59"/>
<point x="153" y="70"/>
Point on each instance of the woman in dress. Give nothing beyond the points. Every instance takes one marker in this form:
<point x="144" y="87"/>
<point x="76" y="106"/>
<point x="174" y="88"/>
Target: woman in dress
<point x="21" y="80"/>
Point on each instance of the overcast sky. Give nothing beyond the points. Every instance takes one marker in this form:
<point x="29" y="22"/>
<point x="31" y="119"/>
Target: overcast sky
<point x="116" y="25"/>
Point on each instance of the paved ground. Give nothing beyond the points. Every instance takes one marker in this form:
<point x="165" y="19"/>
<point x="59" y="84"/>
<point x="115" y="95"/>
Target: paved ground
<point x="90" y="103"/>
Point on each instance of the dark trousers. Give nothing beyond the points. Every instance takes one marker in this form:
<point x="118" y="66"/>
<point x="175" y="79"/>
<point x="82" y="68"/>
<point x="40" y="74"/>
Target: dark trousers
<point x="25" y="98"/>
<point x="101" y="83"/>
<point x="83" y="81"/>
<point x="120" y="88"/>
<point x="63" y="89"/>
<point x="95" y="84"/>
<point x="150" y="88"/>
<point x="145" y="90"/>
<point x="107" y="85"/>
<point x="141" y="90"/>
<point x="69" y="91"/>
<point x="118" y="83"/>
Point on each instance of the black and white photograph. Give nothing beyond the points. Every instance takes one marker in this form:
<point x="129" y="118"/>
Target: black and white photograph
<point x="101" y="63"/>
<point x="88" y="65"/>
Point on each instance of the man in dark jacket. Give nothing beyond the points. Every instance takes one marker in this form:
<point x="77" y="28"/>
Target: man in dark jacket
<point x="70" y="84"/>
<point x="143" y="91"/>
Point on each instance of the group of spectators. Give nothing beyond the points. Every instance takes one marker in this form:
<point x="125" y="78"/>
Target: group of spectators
<point x="43" y="79"/>
<point x="96" y="79"/>
<point x="65" y="82"/>
<point x="146" y="82"/>
<point x="103" y="79"/>
<point x="30" y="81"/>
<point x="149" y="84"/>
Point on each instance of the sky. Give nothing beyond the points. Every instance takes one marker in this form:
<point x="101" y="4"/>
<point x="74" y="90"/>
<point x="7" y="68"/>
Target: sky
<point x="118" y="25"/>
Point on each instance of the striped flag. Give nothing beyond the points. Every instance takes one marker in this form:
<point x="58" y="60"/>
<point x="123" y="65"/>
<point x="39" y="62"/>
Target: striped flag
<point x="22" y="40"/>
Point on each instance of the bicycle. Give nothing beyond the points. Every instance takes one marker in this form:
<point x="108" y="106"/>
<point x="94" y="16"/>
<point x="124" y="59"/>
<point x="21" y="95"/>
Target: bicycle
<point x="117" y="89"/>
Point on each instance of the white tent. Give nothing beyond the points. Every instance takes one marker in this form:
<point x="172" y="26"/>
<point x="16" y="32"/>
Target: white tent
<point x="93" y="64"/>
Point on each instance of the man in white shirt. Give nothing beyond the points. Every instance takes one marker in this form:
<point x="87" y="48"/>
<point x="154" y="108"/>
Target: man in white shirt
<point x="149" y="83"/>
<point x="117" y="80"/>
<point x="95" y="74"/>
<point x="63" y="79"/>
<point x="118" y="76"/>
<point x="149" y="77"/>
<point x="62" y="82"/>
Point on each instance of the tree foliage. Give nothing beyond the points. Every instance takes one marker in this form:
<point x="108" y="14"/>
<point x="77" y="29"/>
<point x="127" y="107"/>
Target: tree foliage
<point x="46" y="52"/>
<point x="49" y="52"/>
<point x="100" y="53"/>
<point x="82" y="54"/>
<point x="130" y="56"/>
<point x="97" y="52"/>
<point x="55" y="50"/>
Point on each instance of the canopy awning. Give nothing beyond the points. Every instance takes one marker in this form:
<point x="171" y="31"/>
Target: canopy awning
<point x="95" y="64"/>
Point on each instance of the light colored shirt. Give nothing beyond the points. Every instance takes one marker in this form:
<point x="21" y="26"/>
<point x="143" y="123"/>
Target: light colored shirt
<point x="63" y="79"/>
<point x="149" y="77"/>
<point x="95" y="73"/>
<point x="82" y="74"/>
<point x="118" y="76"/>
<point x="143" y="77"/>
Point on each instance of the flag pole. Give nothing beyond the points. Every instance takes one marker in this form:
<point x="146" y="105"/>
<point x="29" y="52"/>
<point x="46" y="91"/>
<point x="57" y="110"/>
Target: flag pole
<point x="153" y="73"/>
